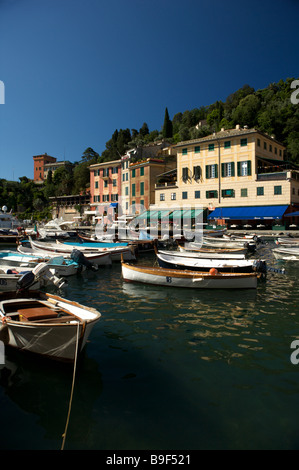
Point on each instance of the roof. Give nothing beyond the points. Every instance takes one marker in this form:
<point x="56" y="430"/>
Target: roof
<point x="224" y="134"/>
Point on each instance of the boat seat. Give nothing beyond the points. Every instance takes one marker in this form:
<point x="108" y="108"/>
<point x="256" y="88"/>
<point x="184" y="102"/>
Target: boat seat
<point x="36" y="313"/>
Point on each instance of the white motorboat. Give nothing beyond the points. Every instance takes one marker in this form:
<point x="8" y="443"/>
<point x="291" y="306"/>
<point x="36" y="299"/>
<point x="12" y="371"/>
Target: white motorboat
<point x="286" y="253"/>
<point x="18" y="278"/>
<point x="116" y="250"/>
<point x="45" y="324"/>
<point x="98" y="259"/>
<point x="217" y="253"/>
<point x="172" y="261"/>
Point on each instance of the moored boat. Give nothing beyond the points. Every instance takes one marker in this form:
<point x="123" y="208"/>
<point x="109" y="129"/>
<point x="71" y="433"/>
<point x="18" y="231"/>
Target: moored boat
<point x="189" y="279"/>
<point x="45" y="324"/>
<point x="286" y="253"/>
<point x="172" y="261"/>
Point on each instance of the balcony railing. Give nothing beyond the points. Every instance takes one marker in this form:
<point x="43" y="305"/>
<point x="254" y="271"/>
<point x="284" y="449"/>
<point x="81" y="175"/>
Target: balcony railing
<point x="168" y="184"/>
<point x="281" y="175"/>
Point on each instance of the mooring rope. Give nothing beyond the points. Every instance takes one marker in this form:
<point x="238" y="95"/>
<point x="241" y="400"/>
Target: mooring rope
<point x="72" y="391"/>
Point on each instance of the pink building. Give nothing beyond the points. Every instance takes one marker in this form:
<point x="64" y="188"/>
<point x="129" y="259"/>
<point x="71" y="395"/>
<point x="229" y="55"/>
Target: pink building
<point x="105" y="185"/>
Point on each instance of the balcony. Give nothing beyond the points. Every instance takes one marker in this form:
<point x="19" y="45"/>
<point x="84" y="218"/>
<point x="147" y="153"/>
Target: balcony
<point x="279" y="175"/>
<point x="167" y="184"/>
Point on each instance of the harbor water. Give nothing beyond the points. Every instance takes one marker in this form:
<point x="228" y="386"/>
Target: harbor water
<point x="165" y="369"/>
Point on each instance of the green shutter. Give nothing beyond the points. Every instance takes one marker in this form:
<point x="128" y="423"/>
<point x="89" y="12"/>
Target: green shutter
<point x="239" y="168"/>
<point x="207" y="171"/>
<point x="222" y="170"/>
<point x="216" y="171"/>
<point x="233" y="168"/>
<point x="249" y="167"/>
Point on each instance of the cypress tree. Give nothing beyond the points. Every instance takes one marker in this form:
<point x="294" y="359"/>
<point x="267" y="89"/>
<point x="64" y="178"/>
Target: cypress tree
<point x="167" y="126"/>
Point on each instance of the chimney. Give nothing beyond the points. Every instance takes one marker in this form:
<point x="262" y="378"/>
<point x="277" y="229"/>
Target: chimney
<point x="238" y="127"/>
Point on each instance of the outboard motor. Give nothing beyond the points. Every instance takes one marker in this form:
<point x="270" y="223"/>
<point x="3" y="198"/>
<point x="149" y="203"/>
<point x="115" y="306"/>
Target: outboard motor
<point x="260" y="266"/>
<point x="80" y="259"/>
<point x="26" y="281"/>
<point x="45" y="273"/>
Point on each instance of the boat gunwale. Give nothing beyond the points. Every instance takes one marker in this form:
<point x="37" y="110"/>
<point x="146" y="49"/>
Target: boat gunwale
<point x="179" y="273"/>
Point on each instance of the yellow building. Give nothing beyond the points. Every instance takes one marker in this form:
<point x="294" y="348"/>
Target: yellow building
<point x="236" y="168"/>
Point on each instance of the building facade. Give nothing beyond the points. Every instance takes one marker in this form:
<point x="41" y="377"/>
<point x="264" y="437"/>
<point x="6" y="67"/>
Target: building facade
<point x="232" y="168"/>
<point x="39" y="166"/>
<point x="143" y="176"/>
<point x="105" y="184"/>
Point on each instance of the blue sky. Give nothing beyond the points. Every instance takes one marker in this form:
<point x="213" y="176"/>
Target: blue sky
<point x="74" y="71"/>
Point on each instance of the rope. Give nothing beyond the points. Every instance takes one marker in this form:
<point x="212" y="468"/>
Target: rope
<point x="72" y="391"/>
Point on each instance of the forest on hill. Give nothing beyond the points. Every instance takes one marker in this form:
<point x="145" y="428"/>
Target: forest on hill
<point x="270" y="110"/>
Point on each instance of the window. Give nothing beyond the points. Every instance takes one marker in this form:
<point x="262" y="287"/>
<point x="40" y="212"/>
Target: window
<point x="211" y="171"/>
<point x="265" y="145"/>
<point x="197" y="149"/>
<point x="162" y="197"/>
<point x="133" y="189"/>
<point x="185" y="175"/>
<point x="244" y="168"/>
<point x="105" y="197"/>
<point x="228" y="193"/>
<point x="115" y="170"/>
<point x="142" y="171"/>
<point x="227" y="144"/>
<point x="142" y="202"/>
<point x="127" y="176"/>
<point x="173" y="196"/>
<point x="184" y="151"/>
<point x="211" y="194"/>
<point x="243" y="142"/>
<point x="133" y="173"/>
<point x="126" y="191"/>
<point x="270" y="148"/>
<point x="184" y="195"/>
<point x="244" y="192"/>
<point x="106" y="172"/>
<point x="197" y="194"/>
<point x="142" y="189"/>
<point x="211" y="147"/>
<point x="258" y="142"/>
<point x="105" y="184"/>
<point x="96" y="185"/>
<point x="260" y="191"/>
<point x="114" y="197"/>
<point x="123" y="177"/>
<point x="114" y="183"/>
<point x="196" y="172"/>
<point x="227" y="169"/>
<point x="277" y="190"/>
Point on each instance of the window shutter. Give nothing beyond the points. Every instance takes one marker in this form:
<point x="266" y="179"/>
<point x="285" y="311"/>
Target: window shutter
<point x="249" y="167"/>
<point x="233" y="168"/>
<point x="239" y="168"/>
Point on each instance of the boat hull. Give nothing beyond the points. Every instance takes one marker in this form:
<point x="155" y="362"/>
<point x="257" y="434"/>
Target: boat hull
<point x="49" y="338"/>
<point x="187" y="279"/>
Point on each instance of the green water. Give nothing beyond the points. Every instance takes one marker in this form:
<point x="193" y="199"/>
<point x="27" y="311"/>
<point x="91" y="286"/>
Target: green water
<point x="166" y="369"/>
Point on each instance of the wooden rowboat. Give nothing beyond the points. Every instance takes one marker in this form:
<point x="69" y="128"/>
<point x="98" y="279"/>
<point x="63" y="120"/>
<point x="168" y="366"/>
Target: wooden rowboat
<point x="189" y="279"/>
<point x="45" y="324"/>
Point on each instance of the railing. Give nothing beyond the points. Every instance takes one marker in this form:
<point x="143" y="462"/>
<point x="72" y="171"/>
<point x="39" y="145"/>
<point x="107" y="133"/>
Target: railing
<point x="282" y="175"/>
<point x="168" y="184"/>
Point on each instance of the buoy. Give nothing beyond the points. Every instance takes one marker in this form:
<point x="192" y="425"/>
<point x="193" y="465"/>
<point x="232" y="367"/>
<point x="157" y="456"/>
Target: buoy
<point x="213" y="272"/>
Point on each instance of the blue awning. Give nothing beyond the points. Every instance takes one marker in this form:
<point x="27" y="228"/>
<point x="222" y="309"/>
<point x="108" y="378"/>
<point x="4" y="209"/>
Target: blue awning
<point x="292" y="214"/>
<point x="249" y="213"/>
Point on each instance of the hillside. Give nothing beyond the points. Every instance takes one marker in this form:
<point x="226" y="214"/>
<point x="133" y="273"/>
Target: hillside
<point x="269" y="110"/>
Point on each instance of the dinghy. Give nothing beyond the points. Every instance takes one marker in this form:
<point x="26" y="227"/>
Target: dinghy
<point x="45" y="324"/>
<point x="189" y="279"/>
<point x="286" y="253"/>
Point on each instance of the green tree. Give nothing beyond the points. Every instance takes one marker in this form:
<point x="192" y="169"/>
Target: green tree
<point x="167" y="126"/>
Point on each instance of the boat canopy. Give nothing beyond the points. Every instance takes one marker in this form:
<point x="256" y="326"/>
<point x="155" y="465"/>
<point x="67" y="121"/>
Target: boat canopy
<point x="249" y="213"/>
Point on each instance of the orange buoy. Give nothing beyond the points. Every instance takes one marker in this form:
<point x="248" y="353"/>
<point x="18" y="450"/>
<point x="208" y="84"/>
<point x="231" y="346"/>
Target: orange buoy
<point x="213" y="272"/>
